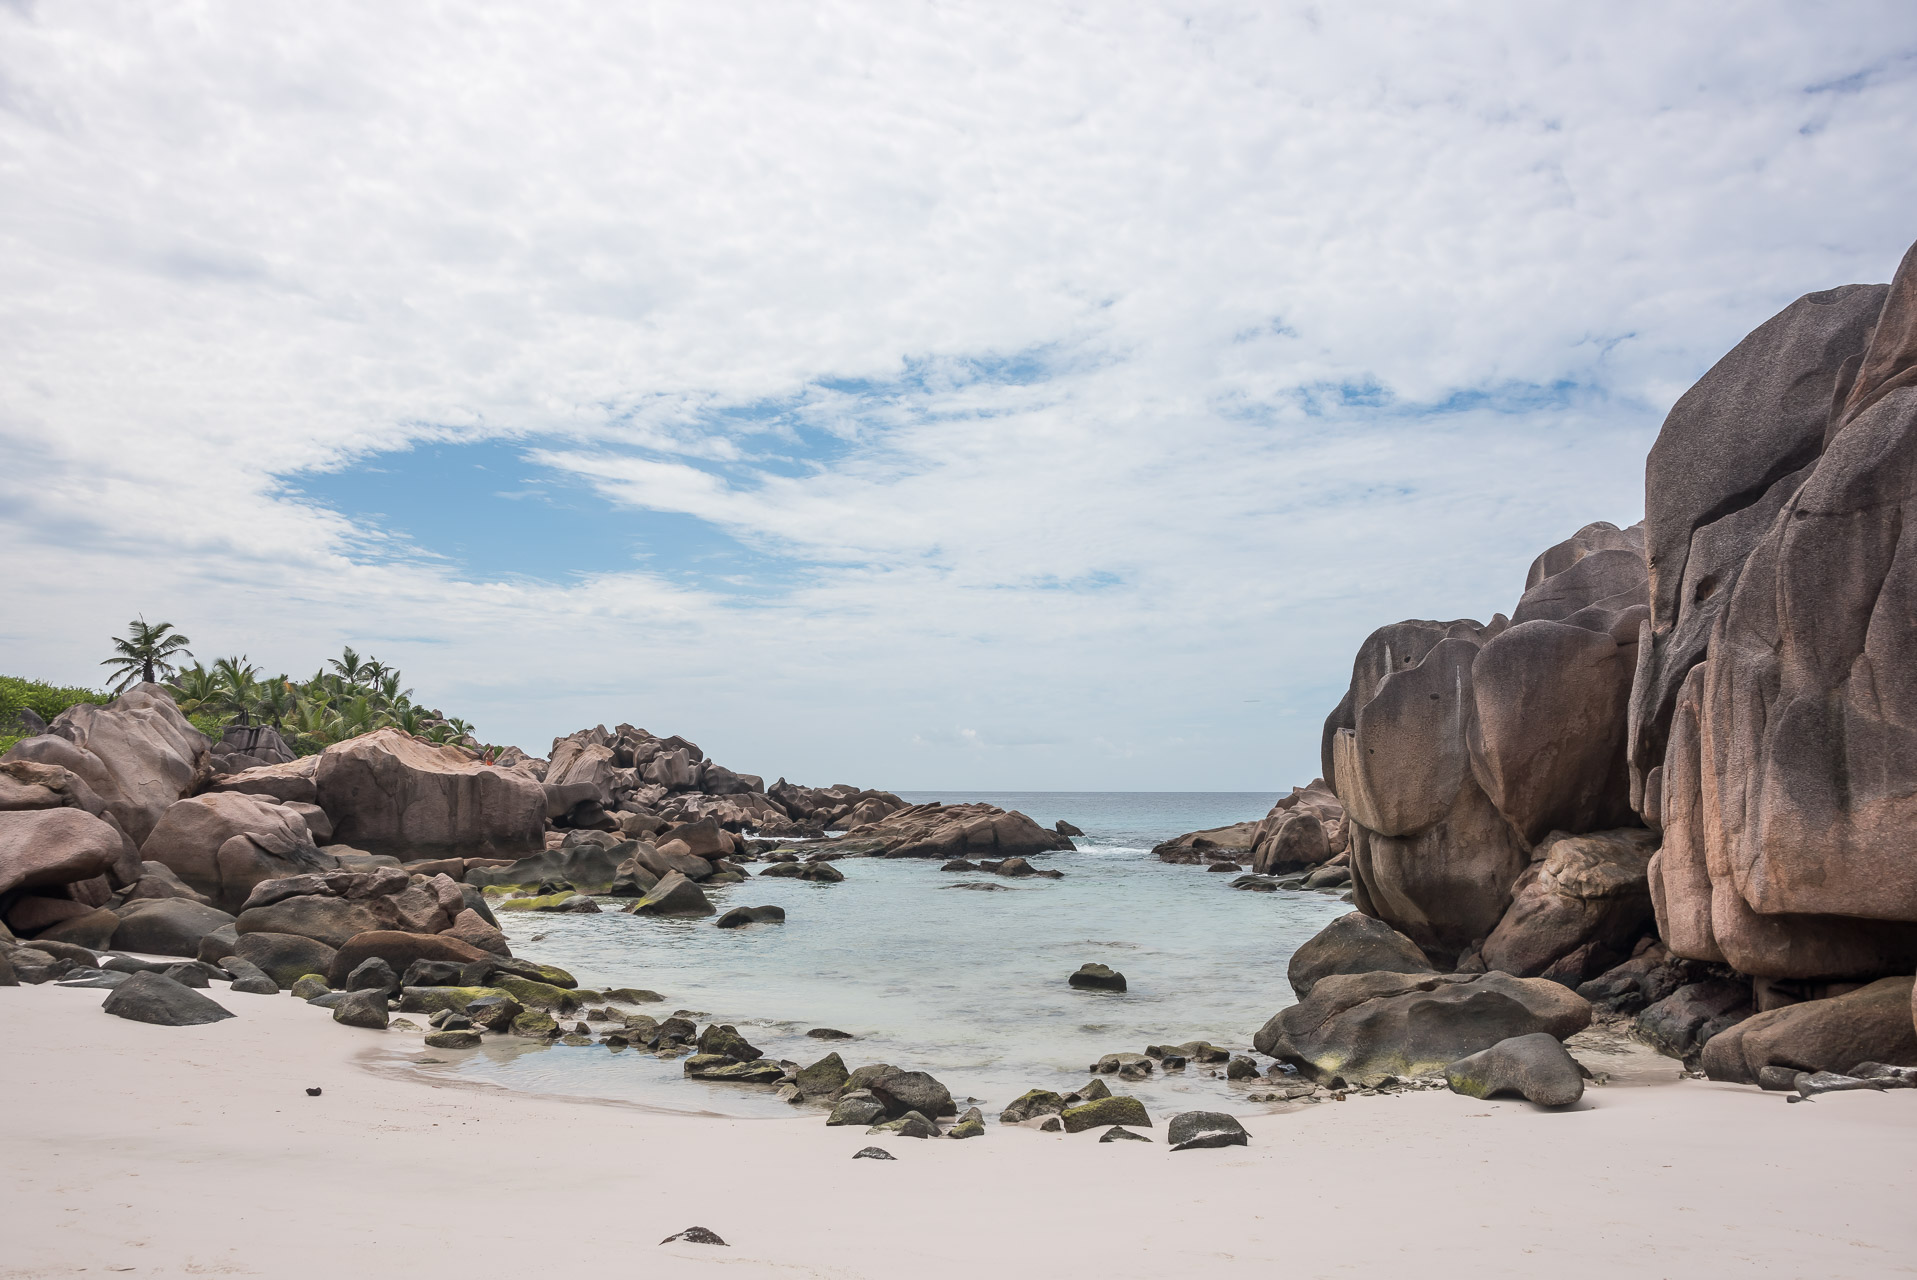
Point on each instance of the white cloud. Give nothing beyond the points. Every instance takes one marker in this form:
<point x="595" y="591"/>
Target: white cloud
<point x="234" y="246"/>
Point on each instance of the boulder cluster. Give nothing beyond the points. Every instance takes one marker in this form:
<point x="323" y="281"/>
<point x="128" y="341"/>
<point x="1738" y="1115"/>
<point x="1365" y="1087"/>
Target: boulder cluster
<point x="1671" y="785"/>
<point x="123" y="828"/>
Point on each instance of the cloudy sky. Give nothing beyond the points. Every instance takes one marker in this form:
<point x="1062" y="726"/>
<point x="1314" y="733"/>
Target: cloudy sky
<point x="1026" y="395"/>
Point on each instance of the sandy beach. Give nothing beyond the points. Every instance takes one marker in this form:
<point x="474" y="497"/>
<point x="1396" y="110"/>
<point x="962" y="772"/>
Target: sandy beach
<point x="162" y="1151"/>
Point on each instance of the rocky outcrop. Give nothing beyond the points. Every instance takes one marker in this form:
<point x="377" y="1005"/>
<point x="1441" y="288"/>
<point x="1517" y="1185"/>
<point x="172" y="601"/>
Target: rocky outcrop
<point x="951" y="831"/>
<point x="1773" y="724"/>
<point x="137" y="754"/>
<point x="224" y="843"/>
<point x="388" y="792"/>
<point x="1303" y="830"/>
<point x="1363" y="1027"/>
<point x="1460" y="746"/>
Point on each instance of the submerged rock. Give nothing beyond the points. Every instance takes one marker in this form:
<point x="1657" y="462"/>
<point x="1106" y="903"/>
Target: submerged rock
<point x="739" y="917"/>
<point x="726" y="1040"/>
<point x="1098" y="977"/>
<point x="1127" y="1066"/>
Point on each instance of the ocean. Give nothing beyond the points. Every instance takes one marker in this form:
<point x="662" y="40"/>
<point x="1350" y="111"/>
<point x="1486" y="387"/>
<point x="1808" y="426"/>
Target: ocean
<point x="968" y="985"/>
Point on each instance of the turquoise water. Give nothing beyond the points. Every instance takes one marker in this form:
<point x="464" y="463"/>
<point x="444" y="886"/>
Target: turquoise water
<point x="969" y="985"/>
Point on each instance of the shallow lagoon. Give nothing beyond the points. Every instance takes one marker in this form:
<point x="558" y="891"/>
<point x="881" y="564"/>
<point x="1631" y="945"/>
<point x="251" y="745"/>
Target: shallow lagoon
<point x="967" y="984"/>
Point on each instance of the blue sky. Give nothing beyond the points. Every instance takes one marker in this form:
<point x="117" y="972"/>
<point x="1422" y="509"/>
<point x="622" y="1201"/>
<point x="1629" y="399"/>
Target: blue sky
<point x="1009" y="396"/>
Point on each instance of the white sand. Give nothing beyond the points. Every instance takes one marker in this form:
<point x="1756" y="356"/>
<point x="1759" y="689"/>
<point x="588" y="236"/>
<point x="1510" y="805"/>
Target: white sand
<point x="157" y="1151"/>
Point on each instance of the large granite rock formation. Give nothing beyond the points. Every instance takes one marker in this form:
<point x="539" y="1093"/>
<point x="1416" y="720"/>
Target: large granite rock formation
<point x="388" y="792"/>
<point x="1459" y="745"/>
<point x="223" y="843"/>
<point x="1774" y="727"/>
<point x="137" y="754"/>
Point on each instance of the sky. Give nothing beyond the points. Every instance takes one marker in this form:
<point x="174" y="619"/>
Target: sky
<point x="1020" y="396"/>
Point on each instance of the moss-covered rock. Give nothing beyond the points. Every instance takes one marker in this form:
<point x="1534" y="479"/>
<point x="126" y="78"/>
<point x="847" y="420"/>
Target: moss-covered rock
<point x="1117" y="1109"/>
<point x="310" y="985"/>
<point x="536" y="995"/>
<point x="535" y="1025"/>
<point x="494" y="1013"/>
<point x="718" y="1038"/>
<point x="856" y="1108"/>
<point x="716" y="1066"/>
<point x="452" y="1040"/>
<point x="632" y="995"/>
<point x="823" y="1078"/>
<point x="909" y="1125"/>
<point x="970" y="1125"/>
<point x="434" y="999"/>
<point x="1030" y="1105"/>
<point x="547" y="902"/>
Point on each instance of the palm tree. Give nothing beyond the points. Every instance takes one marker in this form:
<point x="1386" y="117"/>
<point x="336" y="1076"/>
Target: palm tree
<point x="274" y="700"/>
<point x="390" y="694"/>
<point x="194" y="688"/>
<point x="147" y="654"/>
<point x="348" y="665"/>
<point x="238" y="687"/>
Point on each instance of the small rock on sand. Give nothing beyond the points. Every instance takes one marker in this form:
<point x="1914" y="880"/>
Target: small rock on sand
<point x="694" y="1235"/>
<point x="873" y="1153"/>
<point x="1196" y="1130"/>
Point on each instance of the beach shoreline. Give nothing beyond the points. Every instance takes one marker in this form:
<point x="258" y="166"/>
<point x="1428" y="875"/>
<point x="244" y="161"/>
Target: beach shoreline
<point x="182" y="1151"/>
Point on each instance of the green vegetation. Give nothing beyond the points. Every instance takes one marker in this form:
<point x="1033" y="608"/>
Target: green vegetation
<point x="45" y="700"/>
<point x="348" y="696"/>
